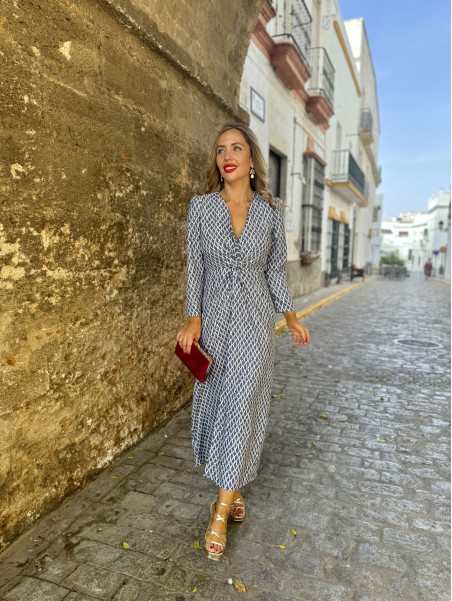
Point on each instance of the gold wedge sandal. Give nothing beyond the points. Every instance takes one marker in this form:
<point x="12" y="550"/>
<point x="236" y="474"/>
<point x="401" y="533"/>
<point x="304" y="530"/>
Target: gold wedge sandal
<point x="238" y="503"/>
<point x="219" y="535"/>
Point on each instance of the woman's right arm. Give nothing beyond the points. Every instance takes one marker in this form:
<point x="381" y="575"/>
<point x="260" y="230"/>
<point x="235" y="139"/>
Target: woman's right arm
<point x="195" y="277"/>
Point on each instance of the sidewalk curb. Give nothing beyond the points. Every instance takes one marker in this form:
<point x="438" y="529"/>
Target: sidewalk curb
<point x="441" y="280"/>
<point x="281" y="325"/>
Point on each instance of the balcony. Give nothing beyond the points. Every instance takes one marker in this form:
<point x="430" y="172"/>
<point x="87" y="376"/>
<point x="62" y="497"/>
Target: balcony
<point x="366" y="126"/>
<point x="321" y="90"/>
<point x="290" y="55"/>
<point x="322" y="81"/>
<point x="295" y="26"/>
<point x="347" y="178"/>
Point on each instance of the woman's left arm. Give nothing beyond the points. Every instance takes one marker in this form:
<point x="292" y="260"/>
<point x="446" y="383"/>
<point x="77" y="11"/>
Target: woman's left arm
<point x="277" y="280"/>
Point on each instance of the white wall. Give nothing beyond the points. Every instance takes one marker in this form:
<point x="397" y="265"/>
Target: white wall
<point x="376" y="232"/>
<point x="359" y="43"/>
<point x="438" y="210"/>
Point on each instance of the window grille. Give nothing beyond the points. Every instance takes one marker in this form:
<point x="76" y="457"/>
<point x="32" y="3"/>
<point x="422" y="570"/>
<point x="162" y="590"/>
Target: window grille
<point x="294" y="22"/>
<point x="334" y="248"/>
<point x="322" y="81"/>
<point x="346" y="169"/>
<point x="312" y="205"/>
<point x="346" y="246"/>
<point x="366" y="120"/>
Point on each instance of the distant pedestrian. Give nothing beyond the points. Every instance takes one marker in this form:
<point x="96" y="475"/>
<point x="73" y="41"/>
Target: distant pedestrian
<point x="428" y="268"/>
<point x="236" y="280"/>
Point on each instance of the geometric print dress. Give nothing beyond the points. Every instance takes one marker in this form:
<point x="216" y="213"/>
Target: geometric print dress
<point x="236" y="286"/>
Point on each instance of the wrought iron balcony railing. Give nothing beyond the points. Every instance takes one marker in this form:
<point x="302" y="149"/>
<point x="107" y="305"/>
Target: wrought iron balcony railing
<point x="367" y="121"/>
<point x="295" y="25"/>
<point x="322" y="80"/>
<point x="345" y="169"/>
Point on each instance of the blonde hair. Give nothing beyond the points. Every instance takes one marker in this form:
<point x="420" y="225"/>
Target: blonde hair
<point x="259" y="183"/>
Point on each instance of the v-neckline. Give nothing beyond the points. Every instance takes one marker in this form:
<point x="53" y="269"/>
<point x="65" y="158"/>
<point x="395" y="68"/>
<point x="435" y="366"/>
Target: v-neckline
<point x="230" y="216"/>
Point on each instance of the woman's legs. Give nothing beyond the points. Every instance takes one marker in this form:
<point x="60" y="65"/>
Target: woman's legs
<point x="225" y="496"/>
<point x="213" y="544"/>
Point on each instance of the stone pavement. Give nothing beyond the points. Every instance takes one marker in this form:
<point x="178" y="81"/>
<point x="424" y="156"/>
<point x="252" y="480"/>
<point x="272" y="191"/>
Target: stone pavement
<point x="356" y="463"/>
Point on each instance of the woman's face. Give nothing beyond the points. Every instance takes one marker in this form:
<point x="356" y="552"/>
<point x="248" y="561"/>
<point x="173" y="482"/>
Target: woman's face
<point x="233" y="156"/>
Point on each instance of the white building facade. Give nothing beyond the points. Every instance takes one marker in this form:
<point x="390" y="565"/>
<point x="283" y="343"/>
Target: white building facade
<point x="439" y="232"/>
<point x="377" y="213"/>
<point x="303" y="91"/>
<point x="368" y="145"/>
<point x="418" y="236"/>
<point x="407" y="236"/>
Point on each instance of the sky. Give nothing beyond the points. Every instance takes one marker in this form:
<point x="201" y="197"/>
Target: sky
<point x="410" y="47"/>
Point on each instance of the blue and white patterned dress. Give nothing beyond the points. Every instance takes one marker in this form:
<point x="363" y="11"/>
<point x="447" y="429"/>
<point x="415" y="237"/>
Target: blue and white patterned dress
<point x="235" y="286"/>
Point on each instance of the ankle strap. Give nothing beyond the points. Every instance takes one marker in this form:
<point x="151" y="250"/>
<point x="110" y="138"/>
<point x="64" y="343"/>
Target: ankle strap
<point x="224" y="504"/>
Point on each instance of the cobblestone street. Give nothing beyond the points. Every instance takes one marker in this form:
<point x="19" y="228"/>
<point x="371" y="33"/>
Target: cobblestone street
<point x="352" y="501"/>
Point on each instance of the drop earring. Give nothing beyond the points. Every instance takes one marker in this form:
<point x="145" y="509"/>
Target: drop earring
<point x="252" y="172"/>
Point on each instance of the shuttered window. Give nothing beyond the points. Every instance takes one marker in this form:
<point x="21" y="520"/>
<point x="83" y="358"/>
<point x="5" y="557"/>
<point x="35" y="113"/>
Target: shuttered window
<point x="312" y="205"/>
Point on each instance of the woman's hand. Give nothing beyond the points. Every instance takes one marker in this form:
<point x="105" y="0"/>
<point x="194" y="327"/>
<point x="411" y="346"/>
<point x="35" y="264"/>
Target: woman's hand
<point x="189" y="333"/>
<point x="300" y="333"/>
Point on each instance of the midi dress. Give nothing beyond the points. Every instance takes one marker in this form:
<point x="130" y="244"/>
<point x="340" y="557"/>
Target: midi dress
<point x="236" y="286"/>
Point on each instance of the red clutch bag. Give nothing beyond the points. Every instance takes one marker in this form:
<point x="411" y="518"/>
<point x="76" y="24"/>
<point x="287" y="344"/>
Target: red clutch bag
<point x="198" y="361"/>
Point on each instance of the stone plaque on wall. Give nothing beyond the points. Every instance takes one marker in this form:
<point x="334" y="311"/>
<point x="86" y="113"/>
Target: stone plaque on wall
<point x="257" y="105"/>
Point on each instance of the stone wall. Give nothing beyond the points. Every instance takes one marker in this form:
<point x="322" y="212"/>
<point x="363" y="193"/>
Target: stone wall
<point x="108" y="109"/>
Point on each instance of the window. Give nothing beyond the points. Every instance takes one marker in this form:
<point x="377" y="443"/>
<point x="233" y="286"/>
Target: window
<point x="312" y="205"/>
<point x="346" y="246"/>
<point x="334" y="248"/>
<point x="274" y="172"/>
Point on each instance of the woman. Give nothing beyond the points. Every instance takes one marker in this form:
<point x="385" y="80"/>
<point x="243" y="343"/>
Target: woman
<point x="236" y="256"/>
<point x="428" y="268"/>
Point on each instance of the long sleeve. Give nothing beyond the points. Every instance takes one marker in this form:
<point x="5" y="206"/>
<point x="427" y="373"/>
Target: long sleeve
<point x="195" y="262"/>
<point x="276" y="266"/>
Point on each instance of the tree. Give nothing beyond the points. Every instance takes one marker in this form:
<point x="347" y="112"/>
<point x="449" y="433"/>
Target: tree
<point x="392" y="259"/>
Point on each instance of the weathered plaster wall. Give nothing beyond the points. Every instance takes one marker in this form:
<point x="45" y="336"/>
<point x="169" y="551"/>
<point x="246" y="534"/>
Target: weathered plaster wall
<point x="107" y="109"/>
<point x="303" y="279"/>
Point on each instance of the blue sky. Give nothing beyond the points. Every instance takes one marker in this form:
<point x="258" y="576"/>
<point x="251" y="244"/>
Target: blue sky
<point x="410" y="46"/>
